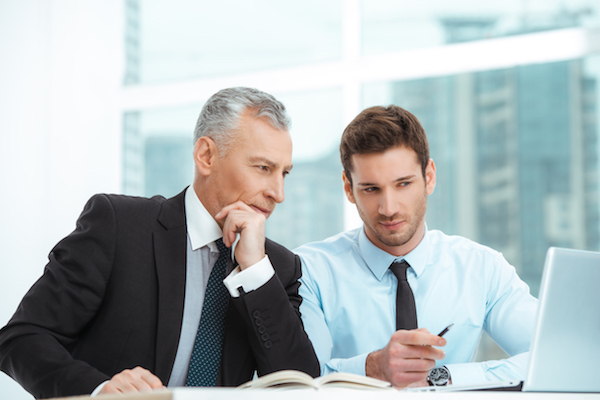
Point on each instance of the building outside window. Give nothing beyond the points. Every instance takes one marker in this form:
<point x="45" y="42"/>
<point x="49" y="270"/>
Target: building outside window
<point x="507" y="92"/>
<point x="515" y="144"/>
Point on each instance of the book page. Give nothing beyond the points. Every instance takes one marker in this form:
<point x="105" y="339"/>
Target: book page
<point x="348" y="380"/>
<point x="281" y="379"/>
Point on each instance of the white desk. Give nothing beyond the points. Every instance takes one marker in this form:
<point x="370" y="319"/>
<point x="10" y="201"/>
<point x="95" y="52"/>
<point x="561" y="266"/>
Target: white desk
<point x="333" y="394"/>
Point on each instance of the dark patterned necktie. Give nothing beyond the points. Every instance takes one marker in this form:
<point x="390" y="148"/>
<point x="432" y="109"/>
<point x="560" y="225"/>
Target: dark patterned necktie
<point x="206" y="356"/>
<point x="406" y="311"/>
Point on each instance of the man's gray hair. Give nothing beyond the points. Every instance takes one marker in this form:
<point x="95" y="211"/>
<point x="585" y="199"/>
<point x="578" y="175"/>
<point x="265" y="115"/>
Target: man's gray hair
<point x="220" y="116"/>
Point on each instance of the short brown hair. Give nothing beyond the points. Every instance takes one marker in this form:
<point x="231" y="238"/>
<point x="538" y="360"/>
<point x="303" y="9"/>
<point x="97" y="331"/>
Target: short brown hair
<point x="378" y="129"/>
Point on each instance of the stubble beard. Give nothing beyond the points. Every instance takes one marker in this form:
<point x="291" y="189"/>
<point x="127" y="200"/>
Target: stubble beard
<point x="397" y="239"/>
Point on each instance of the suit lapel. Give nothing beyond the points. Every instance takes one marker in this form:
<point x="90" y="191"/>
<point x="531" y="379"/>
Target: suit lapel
<point x="170" y="258"/>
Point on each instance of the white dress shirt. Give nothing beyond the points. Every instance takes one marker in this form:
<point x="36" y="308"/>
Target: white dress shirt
<point x="202" y="253"/>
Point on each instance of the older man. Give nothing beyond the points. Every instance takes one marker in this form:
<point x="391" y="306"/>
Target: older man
<point x="144" y="292"/>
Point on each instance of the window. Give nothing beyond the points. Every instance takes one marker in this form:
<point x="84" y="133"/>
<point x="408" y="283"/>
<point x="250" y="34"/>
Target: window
<point x="507" y="95"/>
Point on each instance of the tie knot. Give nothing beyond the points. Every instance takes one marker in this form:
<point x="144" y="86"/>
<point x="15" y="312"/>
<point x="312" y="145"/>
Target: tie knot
<point x="223" y="250"/>
<point x="399" y="269"/>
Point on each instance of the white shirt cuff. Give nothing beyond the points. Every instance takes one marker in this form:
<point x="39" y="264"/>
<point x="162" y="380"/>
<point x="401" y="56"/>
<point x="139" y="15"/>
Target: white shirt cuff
<point x="98" y="389"/>
<point x="249" y="279"/>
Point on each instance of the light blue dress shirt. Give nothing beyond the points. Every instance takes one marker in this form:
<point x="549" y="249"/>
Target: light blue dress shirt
<point x="349" y="306"/>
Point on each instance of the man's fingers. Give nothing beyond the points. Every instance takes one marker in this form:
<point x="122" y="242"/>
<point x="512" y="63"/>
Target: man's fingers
<point x="118" y="385"/>
<point x="229" y="233"/>
<point x="238" y="205"/>
<point x="415" y="344"/>
<point x="404" y="378"/>
<point x="242" y="219"/>
<point x="132" y="380"/>
<point x="109" y="388"/>
<point x="407" y="358"/>
<point x="411" y="364"/>
<point x="237" y="217"/>
<point x="148" y="378"/>
<point x="398" y="351"/>
<point x="234" y="223"/>
<point x="418" y="337"/>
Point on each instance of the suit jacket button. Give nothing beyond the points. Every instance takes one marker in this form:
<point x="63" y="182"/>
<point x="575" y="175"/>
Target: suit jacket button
<point x="262" y="329"/>
<point x="258" y="321"/>
<point x="256" y="314"/>
<point x="268" y="344"/>
<point x="264" y="337"/>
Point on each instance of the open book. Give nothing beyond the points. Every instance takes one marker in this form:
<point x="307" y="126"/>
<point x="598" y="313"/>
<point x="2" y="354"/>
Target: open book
<point x="290" y="379"/>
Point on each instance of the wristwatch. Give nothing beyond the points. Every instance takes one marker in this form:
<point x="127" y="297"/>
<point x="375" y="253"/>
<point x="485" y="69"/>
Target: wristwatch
<point x="439" y="376"/>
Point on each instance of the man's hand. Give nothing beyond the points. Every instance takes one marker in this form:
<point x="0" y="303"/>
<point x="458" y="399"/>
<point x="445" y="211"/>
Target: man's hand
<point x="407" y="358"/>
<point x="250" y="224"/>
<point x="132" y="380"/>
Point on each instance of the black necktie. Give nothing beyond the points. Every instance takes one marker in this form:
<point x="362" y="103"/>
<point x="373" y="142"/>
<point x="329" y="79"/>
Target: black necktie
<point x="206" y="356"/>
<point x="406" y="312"/>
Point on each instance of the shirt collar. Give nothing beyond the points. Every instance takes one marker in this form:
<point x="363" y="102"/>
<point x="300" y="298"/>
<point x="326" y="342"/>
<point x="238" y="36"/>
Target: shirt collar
<point x="201" y="226"/>
<point x="379" y="260"/>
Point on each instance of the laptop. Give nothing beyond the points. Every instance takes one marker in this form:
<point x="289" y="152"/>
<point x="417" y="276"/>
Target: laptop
<point x="565" y="347"/>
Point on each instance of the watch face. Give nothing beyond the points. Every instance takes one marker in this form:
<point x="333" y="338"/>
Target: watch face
<point x="439" y="376"/>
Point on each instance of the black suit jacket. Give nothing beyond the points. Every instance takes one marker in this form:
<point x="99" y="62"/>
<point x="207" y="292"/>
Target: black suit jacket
<point x="112" y="295"/>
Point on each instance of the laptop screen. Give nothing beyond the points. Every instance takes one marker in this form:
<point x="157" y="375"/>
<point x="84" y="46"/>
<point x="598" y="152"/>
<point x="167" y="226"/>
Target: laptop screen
<point x="566" y="347"/>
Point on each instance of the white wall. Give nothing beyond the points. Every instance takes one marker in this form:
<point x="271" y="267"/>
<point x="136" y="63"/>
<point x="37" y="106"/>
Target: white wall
<point x="60" y="80"/>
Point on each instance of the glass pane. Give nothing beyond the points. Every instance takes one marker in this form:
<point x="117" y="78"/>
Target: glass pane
<point x="183" y="39"/>
<point x="157" y="150"/>
<point x="389" y="25"/>
<point x="314" y="200"/>
<point x="516" y="152"/>
<point x="158" y="160"/>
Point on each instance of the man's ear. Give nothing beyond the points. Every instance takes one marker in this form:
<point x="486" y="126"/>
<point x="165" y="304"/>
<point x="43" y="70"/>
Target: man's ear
<point x="430" y="176"/>
<point x="205" y="155"/>
<point x="348" y="188"/>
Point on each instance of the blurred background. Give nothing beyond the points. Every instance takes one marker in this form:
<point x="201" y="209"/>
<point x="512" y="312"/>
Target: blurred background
<point x="102" y="96"/>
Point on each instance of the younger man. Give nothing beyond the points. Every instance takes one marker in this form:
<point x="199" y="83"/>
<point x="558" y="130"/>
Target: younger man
<point x="361" y="318"/>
